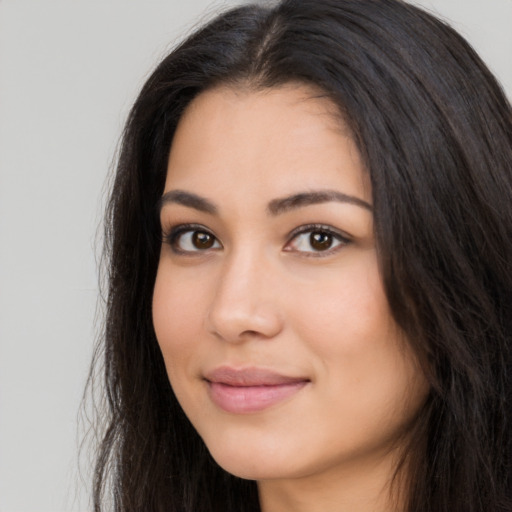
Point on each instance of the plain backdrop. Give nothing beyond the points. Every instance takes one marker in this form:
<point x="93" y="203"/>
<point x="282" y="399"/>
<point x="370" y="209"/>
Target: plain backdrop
<point x="69" y="71"/>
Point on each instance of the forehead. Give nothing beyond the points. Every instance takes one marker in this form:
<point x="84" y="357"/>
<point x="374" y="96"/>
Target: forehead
<point x="268" y="141"/>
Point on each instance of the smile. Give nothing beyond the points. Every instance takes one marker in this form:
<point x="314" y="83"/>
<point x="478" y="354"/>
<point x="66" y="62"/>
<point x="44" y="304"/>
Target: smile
<point x="250" y="390"/>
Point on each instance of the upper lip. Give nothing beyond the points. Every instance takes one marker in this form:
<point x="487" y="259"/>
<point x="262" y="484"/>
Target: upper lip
<point x="251" y="376"/>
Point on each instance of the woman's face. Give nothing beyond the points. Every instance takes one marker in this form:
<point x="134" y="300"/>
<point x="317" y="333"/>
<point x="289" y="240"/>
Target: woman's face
<point x="268" y="304"/>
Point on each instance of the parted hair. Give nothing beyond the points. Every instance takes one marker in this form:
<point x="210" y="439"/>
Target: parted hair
<point x="434" y="130"/>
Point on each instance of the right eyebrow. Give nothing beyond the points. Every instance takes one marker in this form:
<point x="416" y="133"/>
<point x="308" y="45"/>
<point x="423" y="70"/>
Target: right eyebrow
<point x="187" y="199"/>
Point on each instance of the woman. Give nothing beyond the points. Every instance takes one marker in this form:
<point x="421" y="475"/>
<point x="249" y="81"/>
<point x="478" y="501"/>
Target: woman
<point x="309" y="239"/>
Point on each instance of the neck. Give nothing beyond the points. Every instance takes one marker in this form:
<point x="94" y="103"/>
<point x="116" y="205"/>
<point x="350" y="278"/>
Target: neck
<point x="367" y="487"/>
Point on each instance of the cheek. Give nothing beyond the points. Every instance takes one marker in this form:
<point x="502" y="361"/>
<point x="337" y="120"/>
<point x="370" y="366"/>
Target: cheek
<point x="177" y="318"/>
<point x="361" y="355"/>
<point x="344" y="311"/>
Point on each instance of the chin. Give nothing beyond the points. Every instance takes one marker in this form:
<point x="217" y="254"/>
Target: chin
<point x="251" y="470"/>
<point x="254" y="463"/>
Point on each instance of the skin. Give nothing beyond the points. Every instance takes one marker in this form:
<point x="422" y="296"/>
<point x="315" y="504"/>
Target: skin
<point x="262" y="296"/>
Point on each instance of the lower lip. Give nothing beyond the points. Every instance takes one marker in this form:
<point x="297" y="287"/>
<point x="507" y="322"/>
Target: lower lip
<point x="247" y="399"/>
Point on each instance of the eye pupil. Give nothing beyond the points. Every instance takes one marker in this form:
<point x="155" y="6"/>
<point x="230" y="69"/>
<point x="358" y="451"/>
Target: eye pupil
<point x="202" y="240"/>
<point x="320" y="241"/>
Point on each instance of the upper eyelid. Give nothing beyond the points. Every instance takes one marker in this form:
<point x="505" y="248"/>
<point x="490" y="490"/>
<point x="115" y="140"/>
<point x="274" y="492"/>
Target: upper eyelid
<point x="183" y="228"/>
<point x="171" y="235"/>
<point x="306" y="228"/>
<point x="294" y="232"/>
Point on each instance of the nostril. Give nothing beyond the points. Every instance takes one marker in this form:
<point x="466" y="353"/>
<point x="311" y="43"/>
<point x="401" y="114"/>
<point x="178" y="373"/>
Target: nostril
<point x="240" y="325"/>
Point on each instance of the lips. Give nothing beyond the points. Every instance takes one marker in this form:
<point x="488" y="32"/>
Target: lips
<point x="250" y="390"/>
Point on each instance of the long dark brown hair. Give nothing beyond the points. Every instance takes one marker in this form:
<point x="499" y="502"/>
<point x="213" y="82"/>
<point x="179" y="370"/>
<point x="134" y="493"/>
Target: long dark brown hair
<point x="435" y="132"/>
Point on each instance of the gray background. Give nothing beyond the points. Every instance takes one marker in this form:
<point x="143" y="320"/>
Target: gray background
<point x="68" y="74"/>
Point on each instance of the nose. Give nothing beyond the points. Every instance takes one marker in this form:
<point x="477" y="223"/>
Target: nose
<point x="245" y="304"/>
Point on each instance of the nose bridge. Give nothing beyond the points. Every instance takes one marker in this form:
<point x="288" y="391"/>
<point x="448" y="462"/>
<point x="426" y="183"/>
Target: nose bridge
<point x="244" y="302"/>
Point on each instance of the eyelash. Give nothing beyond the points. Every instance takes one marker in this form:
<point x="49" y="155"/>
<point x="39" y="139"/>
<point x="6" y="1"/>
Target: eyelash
<point x="172" y="237"/>
<point x="174" y="234"/>
<point x="336" y="235"/>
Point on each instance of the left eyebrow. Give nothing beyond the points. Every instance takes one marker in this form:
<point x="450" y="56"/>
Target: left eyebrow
<point x="285" y="204"/>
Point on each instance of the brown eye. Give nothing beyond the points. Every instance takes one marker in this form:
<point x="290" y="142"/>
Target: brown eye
<point x="320" y="241"/>
<point x="202" y="240"/>
<point x="187" y="240"/>
<point x="317" y="240"/>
